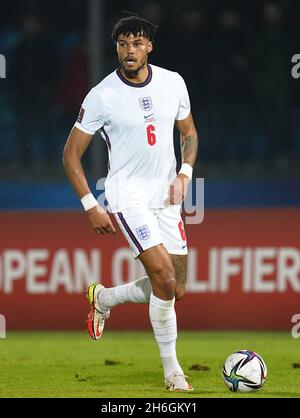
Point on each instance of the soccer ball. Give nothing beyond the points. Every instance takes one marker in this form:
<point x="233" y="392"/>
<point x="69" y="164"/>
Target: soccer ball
<point x="244" y="371"/>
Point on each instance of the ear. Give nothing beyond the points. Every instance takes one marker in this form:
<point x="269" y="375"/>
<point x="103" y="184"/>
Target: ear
<point x="150" y="47"/>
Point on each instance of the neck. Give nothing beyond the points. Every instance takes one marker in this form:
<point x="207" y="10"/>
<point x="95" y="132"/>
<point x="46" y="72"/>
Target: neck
<point x="139" y="76"/>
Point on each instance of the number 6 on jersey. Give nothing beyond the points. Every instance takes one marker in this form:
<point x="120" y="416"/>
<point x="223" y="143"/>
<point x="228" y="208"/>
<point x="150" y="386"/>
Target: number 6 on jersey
<point x="151" y="135"/>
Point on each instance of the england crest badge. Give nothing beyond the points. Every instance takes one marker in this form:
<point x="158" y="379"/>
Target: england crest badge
<point x="143" y="232"/>
<point x="146" y="103"/>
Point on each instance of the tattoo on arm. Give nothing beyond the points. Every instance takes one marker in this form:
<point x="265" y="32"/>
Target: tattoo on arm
<point x="189" y="149"/>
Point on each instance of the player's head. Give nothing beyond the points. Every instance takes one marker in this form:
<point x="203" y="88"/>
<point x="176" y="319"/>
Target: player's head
<point x="134" y="37"/>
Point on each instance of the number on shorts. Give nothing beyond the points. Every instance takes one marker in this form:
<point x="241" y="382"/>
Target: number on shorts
<point x="181" y="230"/>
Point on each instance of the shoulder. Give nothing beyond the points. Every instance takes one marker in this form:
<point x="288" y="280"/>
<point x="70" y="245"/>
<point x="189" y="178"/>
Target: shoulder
<point x="169" y="75"/>
<point x="99" y="90"/>
<point x="109" y="81"/>
<point x="169" y="78"/>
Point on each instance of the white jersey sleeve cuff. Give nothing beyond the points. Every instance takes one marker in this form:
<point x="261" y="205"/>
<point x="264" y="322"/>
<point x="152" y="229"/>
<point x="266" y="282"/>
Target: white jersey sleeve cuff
<point x="81" y="128"/>
<point x="183" y="115"/>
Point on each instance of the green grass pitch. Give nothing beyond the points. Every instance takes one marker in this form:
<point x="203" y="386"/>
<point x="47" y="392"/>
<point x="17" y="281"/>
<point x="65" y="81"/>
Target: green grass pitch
<point x="127" y="364"/>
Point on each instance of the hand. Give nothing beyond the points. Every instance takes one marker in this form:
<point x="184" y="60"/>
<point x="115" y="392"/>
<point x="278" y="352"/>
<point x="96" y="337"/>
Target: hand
<point x="177" y="190"/>
<point x="100" y="221"/>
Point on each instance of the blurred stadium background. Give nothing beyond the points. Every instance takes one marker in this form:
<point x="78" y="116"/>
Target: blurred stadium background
<point x="244" y="261"/>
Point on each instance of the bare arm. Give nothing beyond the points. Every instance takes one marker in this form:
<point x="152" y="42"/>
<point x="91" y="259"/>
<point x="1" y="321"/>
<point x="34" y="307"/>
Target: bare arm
<point x="189" y="148"/>
<point x="75" y="147"/>
<point x="189" y="140"/>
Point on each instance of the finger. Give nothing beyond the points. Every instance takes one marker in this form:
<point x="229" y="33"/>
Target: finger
<point x="99" y="231"/>
<point x="178" y="201"/>
<point x="171" y="200"/>
<point x="177" y="198"/>
<point x="113" y="229"/>
<point x="170" y="197"/>
<point x="167" y="202"/>
<point x="110" y="228"/>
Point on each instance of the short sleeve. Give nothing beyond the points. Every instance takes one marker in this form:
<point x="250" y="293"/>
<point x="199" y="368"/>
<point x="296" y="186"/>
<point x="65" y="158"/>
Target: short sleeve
<point x="184" y="107"/>
<point x="91" y="118"/>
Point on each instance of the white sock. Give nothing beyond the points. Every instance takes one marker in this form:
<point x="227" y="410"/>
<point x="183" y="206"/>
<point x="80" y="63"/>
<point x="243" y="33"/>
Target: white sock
<point x="136" y="292"/>
<point x="163" y="319"/>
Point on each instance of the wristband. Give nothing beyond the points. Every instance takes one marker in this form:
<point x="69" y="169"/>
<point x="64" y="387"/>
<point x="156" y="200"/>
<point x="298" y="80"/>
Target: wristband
<point x="187" y="170"/>
<point x="88" y="201"/>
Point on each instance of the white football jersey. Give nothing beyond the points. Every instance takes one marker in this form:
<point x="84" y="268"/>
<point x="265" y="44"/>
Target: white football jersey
<point x="136" y="121"/>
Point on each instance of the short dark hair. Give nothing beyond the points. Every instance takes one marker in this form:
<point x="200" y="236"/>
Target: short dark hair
<point x="134" y="25"/>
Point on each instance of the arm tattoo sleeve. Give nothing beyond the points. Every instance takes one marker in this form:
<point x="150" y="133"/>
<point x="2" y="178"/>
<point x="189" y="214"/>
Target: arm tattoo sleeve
<point x="189" y="149"/>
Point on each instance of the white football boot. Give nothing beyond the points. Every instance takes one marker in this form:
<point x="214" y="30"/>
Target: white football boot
<point x="177" y="382"/>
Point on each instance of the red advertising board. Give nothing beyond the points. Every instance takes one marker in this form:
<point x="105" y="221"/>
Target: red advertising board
<point x="243" y="271"/>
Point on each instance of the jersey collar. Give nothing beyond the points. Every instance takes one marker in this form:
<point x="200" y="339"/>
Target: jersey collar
<point x="129" y="83"/>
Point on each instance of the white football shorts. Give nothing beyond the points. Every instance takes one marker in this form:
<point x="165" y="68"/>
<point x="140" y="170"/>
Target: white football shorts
<point x="144" y="228"/>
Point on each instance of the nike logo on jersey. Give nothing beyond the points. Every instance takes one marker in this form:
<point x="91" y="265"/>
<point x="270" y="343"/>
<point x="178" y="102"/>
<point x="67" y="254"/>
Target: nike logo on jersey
<point x="148" y="116"/>
<point x="184" y="246"/>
